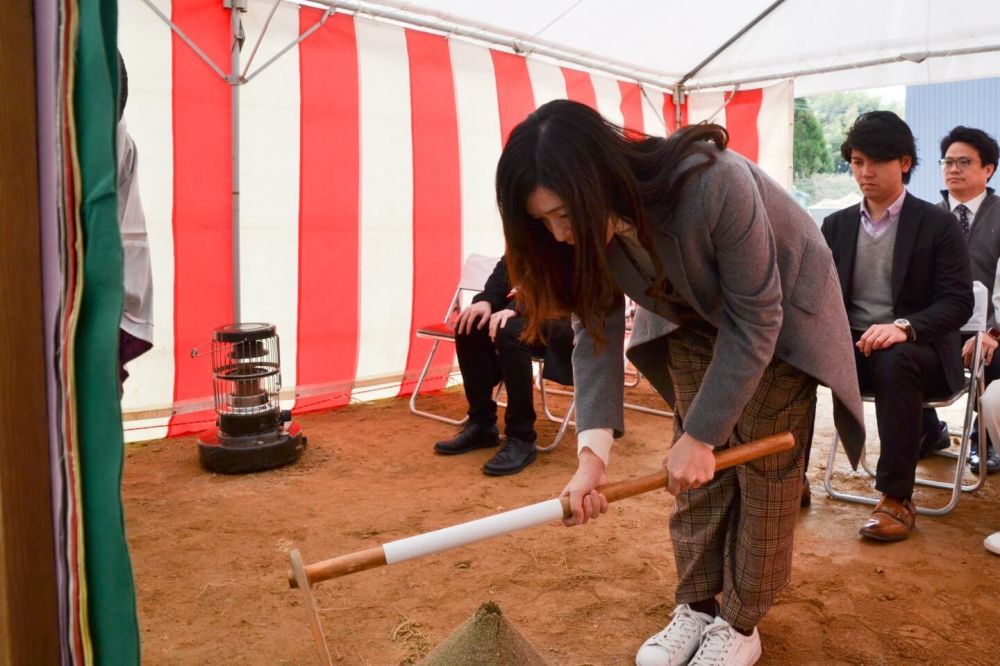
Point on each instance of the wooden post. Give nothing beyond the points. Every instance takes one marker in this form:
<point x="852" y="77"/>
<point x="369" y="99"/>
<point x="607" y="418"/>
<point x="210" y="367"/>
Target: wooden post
<point x="29" y="616"/>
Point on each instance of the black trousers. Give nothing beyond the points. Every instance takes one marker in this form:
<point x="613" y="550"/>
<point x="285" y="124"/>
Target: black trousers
<point x="900" y="378"/>
<point x="485" y="364"/>
<point x="990" y="373"/>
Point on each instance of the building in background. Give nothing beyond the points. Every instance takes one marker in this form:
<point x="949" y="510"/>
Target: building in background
<point x="933" y="109"/>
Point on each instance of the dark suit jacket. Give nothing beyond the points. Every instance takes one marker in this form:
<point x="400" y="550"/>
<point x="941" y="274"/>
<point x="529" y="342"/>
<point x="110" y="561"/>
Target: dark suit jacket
<point x="558" y="354"/>
<point x="984" y="244"/>
<point x="931" y="283"/>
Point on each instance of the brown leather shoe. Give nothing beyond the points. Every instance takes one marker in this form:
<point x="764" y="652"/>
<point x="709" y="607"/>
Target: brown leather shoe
<point x="892" y="520"/>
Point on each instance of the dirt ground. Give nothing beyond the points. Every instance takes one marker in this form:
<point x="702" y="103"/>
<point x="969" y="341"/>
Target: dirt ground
<point x="210" y="555"/>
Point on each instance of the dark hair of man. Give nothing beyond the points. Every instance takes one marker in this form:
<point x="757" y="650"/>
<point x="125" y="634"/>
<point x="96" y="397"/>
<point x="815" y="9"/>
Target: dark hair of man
<point x="985" y="145"/>
<point x="883" y="136"/>
<point x="599" y="172"/>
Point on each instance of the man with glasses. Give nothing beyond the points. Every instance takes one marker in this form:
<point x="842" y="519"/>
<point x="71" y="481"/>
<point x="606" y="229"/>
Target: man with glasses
<point x="968" y="161"/>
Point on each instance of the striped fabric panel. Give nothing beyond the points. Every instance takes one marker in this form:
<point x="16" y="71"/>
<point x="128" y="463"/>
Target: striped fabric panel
<point x="742" y="109"/>
<point x="437" y="213"/>
<point x="145" y="44"/>
<point x="269" y="187"/>
<point x="515" y="97"/>
<point x="775" y="126"/>
<point x="579" y="87"/>
<point x="202" y="213"/>
<point x="329" y="152"/>
<point x="479" y="142"/>
<point x="631" y="107"/>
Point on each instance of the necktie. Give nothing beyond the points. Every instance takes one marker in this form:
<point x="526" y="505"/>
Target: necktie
<point x="963" y="218"/>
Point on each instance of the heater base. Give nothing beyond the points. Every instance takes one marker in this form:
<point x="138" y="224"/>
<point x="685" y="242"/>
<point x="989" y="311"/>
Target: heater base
<point x="219" y="452"/>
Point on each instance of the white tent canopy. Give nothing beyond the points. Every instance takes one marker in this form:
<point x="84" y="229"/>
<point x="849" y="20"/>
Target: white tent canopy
<point x="824" y="46"/>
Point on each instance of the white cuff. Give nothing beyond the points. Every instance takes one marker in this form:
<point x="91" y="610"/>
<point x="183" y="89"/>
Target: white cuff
<point x="598" y="440"/>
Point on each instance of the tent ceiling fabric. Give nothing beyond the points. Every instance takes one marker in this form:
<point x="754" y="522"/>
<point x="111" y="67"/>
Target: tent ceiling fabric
<point x="668" y="39"/>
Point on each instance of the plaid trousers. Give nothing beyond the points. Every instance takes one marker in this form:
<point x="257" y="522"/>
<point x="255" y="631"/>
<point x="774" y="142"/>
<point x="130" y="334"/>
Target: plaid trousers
<point x="734" y="535"/>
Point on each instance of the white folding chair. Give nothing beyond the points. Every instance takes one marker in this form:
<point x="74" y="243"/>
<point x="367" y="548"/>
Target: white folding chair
<point x="543" y="394"/>
<point x="971" y="391"/>
<point x="475" y="271"/>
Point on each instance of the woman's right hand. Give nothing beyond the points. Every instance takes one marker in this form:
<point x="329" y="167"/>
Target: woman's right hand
<point x="584" y="500"/>
<point x="468" y="317"/>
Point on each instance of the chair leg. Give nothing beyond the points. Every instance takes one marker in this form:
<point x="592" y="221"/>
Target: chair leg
<point x="828" y="476"/>
<point x="954" y="485"/>
<point x="543" y="395"/>
<point x="562" y="429"/>
<point x="648" y="410"/>
<point x="416" y="391"/>
<point x="641" y="408"/>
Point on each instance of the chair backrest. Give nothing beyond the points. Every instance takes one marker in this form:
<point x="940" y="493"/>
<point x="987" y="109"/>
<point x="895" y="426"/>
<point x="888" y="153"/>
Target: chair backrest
<point x="977" y="322"/>
<point x="476" y="269"/>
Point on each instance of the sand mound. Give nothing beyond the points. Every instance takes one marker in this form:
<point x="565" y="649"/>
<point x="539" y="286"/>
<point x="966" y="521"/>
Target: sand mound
<point x="485" y="639"/>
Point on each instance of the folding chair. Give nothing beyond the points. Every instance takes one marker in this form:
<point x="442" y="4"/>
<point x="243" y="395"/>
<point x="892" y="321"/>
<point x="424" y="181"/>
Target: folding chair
<point x="543" y="393"/>
<point x="971" y="390"/>
<point x="475" y="271"/>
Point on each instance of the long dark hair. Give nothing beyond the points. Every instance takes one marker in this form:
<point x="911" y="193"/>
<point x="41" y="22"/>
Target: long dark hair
<point x="599" y="172"/>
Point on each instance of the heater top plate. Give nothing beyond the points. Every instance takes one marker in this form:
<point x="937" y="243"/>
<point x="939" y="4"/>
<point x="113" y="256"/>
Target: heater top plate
<point x="238" y="332"/>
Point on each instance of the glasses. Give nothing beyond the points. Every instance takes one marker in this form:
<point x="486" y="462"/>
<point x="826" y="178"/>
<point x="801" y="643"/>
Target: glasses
<point x="962" y="162"/>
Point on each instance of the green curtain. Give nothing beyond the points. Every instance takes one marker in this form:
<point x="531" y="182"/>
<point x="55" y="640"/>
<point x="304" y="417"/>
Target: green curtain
<point x="111" y="592"/>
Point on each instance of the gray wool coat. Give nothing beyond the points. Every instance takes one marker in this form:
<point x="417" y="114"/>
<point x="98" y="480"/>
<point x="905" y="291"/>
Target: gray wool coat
<point x="752" y="262"/>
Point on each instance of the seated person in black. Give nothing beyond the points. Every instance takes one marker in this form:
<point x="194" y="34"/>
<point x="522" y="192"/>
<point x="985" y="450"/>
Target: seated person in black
<point x="489" y="351"/>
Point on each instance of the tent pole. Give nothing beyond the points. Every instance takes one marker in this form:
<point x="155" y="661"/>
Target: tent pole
<point x="679" y="95"/>
<point x="742" y="31"/>
<point x="236" y="33"/>
<point x="915" y="58"/>
<point x="394" y="10"/>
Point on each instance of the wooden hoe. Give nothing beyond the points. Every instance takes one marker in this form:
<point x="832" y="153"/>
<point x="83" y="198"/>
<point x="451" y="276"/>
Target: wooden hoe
<point x="303" y="576"/>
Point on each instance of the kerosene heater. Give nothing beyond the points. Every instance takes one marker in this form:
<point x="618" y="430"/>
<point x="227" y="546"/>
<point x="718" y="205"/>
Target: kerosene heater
<point x="252" y="432"/>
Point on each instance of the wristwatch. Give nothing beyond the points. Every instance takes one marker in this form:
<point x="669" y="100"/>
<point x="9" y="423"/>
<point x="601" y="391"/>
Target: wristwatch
<point x="993" y="332"/>
<point x="904" y="324"/>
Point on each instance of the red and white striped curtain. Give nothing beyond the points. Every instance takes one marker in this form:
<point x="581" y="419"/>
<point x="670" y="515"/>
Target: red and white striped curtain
<point x="367" y="156"/>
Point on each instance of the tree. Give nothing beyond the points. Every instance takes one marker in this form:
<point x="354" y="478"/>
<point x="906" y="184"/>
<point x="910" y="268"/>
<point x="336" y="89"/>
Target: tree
<point x="810" y="153"/>
<point x="836" y="112"/>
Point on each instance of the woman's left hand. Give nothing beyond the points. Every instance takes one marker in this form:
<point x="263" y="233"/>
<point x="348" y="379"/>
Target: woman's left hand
<point x="690" y="463"/>
<point x="498" y="320"/>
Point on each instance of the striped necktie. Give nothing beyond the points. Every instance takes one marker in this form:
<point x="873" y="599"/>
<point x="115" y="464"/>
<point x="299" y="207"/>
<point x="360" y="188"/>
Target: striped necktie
<point x="963" y="218"/>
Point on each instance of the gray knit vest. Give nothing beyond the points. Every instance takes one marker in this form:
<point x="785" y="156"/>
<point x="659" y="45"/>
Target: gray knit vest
<point x="871" y="289"/>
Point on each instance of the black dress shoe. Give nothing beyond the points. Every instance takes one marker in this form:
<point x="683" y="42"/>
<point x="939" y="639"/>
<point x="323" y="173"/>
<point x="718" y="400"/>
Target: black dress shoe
<point x="512" y="457"/>
<point x="992" y="459"/>
<point x="473" y="436"/>
<point x="932" y="441"/>
<point x="805" y="498"/>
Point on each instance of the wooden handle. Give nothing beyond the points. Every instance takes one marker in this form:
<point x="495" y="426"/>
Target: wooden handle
<point x="731" y="457"/>
<point x="336" y="567"/>
<point x="375" y="556"/>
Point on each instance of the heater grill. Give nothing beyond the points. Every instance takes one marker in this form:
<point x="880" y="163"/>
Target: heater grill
<point x="246" y="381"/>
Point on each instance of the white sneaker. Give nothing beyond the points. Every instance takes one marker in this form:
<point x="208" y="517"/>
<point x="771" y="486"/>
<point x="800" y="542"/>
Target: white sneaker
<point x="721" y="645"/>
<point x="677" y="642"/>
<point x="992" y="543"/>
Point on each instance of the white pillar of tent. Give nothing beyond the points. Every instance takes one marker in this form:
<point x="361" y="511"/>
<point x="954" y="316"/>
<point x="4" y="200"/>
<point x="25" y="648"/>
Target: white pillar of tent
<point x="236" y="34"/>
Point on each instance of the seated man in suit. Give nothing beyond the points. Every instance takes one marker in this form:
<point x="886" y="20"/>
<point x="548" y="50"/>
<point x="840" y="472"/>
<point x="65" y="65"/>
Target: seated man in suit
<point x="904" y="273"/>
<point x="968" y="161"/>
<point x="489" y="348"/>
